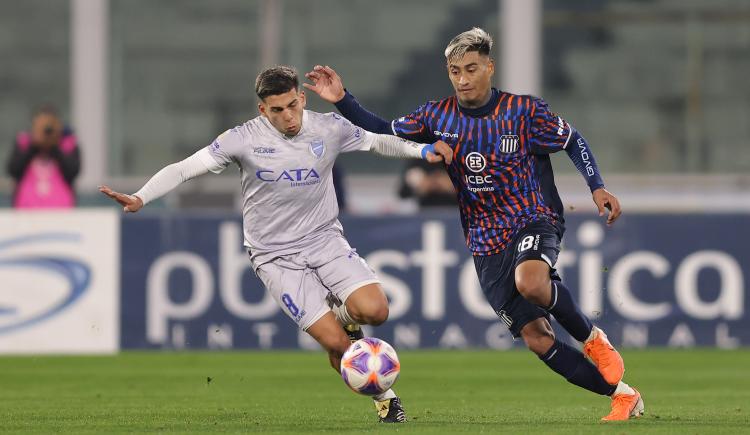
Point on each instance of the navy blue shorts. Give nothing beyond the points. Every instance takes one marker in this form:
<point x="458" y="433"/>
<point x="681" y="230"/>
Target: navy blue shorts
<point x="537" y="241"/>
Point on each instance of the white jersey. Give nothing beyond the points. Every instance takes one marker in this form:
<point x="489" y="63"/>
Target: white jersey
<point x="289" y="201"/>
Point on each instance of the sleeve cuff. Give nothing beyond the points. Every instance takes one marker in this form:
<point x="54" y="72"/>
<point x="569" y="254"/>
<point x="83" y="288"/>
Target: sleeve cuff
<point x="344" y="102"/>
<point x="427" y="148"/>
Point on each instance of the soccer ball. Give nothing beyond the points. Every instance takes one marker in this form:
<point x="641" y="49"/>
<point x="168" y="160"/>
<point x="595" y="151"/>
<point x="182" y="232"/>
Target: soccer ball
<point x="370" y="366"/>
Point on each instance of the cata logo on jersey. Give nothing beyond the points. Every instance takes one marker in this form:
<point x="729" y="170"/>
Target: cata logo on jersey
<point x="296" y="177"/>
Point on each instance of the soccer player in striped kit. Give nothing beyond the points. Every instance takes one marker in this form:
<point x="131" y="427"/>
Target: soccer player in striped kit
<point x="511" y="213"/>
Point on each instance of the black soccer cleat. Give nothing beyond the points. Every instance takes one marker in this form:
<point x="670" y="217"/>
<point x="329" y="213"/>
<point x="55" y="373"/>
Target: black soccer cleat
<point x="390" y="411"/>
<point x="354" y="332"/>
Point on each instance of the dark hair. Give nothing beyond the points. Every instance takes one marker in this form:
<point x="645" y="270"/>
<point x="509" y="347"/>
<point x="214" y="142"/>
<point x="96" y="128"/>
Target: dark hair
<point x="275" y="81"/>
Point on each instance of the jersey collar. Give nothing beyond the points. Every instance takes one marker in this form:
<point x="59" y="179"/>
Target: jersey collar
<point x="485" y="110"/>
<point x="301" y="131"/>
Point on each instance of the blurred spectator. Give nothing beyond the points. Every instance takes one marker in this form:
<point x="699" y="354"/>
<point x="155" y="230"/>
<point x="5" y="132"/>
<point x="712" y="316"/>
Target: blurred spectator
<point x="44" y="163"/>
<point x="428" y="183"/>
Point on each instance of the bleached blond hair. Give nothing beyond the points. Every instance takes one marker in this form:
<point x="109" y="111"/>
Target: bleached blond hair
<point x="475" y="39"/>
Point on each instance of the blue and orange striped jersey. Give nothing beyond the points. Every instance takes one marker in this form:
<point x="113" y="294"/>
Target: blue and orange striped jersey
<point x="501" y="168"/>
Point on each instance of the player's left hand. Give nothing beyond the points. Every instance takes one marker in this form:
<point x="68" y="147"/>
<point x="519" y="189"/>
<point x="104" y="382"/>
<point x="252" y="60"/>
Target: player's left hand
<point x="442" y="153"/>
<point x="129" y="203"/>
<point x="604" y="200"/>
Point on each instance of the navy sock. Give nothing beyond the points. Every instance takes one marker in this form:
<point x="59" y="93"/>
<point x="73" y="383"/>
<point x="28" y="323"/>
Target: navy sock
<point x="568" y="314"/>
<point x="573" y="366"/>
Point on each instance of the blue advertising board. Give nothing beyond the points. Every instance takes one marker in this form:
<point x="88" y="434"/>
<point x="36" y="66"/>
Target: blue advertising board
<point x="649" y="280"/>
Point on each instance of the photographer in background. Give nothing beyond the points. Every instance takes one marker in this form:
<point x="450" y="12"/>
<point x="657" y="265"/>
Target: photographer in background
<point x="429" y="184"/>
<point x="44" y="163"/>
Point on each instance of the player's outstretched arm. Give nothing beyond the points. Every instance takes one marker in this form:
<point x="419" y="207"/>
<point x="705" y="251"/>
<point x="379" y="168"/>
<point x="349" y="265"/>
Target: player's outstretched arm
<point x="393" y="146"/>
<point x="165" y="181"/>
<point x="583" y="158"/>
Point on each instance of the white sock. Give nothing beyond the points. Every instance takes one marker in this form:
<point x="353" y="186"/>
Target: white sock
<point x="390" y="394"/>
<point x="623" y="388"/>
<point x="342" y="315"/>
<point x="592" y="335"/>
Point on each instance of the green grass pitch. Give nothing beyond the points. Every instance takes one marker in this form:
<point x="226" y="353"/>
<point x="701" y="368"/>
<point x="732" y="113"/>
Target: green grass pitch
<point x="686" y="392"/>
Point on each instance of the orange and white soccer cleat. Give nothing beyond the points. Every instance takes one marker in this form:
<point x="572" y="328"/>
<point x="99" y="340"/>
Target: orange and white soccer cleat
<point x="606" y="359"/>
<point x="625" y="406"/>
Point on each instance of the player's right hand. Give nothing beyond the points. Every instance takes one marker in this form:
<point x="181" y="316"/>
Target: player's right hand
<point x="129" y="203"/>
<point x="326" y="83"/>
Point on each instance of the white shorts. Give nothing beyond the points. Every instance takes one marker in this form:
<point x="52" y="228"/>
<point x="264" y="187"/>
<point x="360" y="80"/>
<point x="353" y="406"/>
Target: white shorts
<point x="301" y="282"/>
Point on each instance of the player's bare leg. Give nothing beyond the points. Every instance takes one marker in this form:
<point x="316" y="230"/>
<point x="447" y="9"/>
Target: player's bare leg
<point x="327" y="331"/>
<point x="533" y="282"/>
<point x="368" y="305"/>
<point x="538" y="336"/>
<point x="365" y="306"/>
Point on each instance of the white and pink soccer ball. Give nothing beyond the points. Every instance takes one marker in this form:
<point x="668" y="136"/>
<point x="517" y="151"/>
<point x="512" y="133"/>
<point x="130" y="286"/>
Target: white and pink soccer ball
<point x="370" y="366"/>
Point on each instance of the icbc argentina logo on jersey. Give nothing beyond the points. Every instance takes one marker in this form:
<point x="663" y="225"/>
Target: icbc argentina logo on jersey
<point x="475" y="162"/>
<point x="481" y="182"/>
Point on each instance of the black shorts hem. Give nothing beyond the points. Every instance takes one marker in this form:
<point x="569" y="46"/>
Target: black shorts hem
<point x="518" y="325"/>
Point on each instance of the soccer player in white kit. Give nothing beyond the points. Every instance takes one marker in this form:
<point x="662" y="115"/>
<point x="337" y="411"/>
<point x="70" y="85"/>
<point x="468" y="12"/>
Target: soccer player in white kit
<point x="290" y="215"/>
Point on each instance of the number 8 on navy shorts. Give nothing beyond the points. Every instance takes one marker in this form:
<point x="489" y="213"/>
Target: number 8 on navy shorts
<point x="537" y="241"/>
